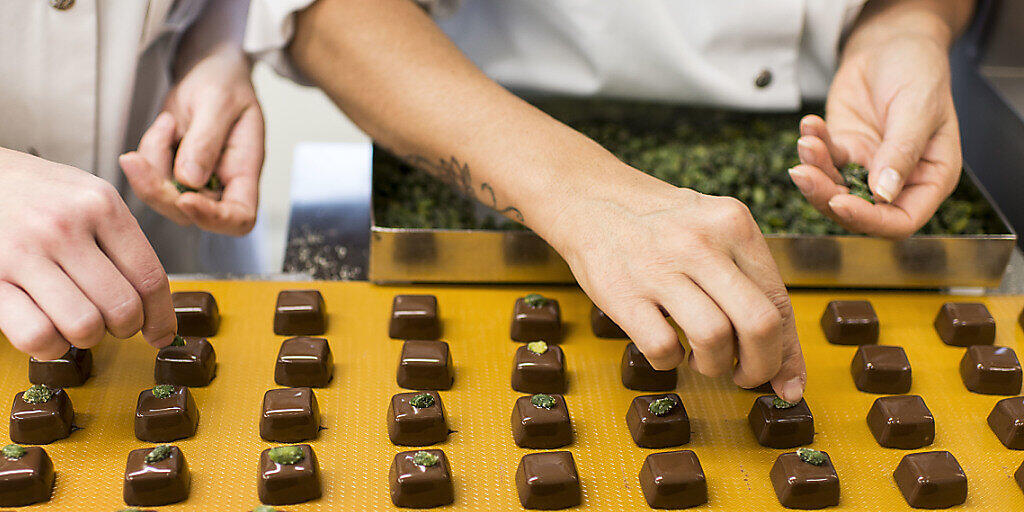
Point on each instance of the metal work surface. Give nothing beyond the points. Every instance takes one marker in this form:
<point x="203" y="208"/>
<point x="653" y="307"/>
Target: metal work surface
<point x="354" y="451"/>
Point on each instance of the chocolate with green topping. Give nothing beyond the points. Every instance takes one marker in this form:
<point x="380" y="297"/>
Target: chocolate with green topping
<point x="658" y="421"/>
<point x="536" y="318"/>
<point x="286" y="455"/>
<point x="786" y="427"/>
<point x="543" y="401"/>
<point x="294" y="481"/>
<point x="163" y="391"/>
<point x="37" y="394"/>
<point x="536" y="371"/>
<point x="537" y="347"/>
<point x="166" y="413"/>
<point x="811" y="456"/>
<point x="805" y="479"/>
<point x="410" y="424"/>
<point x="426" y="459"/>
<point x="156" y="477"/>
<point x="541" y="421"/>
<point x="662" y="406"/>
<point x="13" y="451"/>
<point x="41" y="415"/>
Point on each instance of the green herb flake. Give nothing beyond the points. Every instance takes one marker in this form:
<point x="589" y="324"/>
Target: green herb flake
<point x="857" y="181"/>
<point x="13" y="451"/>
<point x="779" y="403"/>
<point x="158" y="454"/>
<point x="543" y="401"/>
<point x="163" y="391"/>
<point x="425" y="459"/>
<point x="422" y="400"/>
<point x="286" y="455"/>
<point x="811" y="456"/>
<point x="264" y="508"/>
<point x="537" y="347"/>
<point x="37" y="394"/>
<point x="662" y="406"/>
<point x="178" y="341"/>
<point x="535" y="300"/>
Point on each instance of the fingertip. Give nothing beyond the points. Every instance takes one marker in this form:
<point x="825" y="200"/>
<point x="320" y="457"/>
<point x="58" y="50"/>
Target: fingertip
<point x="791" y="390"/>
<point x="162" y="341"/>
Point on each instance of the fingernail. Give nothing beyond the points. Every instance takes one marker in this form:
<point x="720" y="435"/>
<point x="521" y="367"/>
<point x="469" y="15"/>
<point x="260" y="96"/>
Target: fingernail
<point x="803" y="142"/>
<point x="801" y="180"/>
<point x="888" y="184"/>
<point x="836" y="208"/>
<point x="793" y="389"/>
<point x="192" y="173"/>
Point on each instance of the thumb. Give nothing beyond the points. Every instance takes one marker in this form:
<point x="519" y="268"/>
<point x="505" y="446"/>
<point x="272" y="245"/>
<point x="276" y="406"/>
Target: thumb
<point x="907" y="133"/>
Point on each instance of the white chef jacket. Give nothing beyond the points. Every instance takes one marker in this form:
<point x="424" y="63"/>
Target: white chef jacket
<point x="79" y="86"/>
<point x="747" y="54"/>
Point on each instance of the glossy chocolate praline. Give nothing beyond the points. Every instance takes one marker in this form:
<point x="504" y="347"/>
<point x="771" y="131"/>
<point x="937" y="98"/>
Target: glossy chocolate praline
<point x="881" y="369"/>
<point x="69" y="370"/>
<point x="539" y="373"/>
<point x="802" y="485"/>
<point x="548" y="481"/>
<point x="162" y="419"/>
<point x="197" y="313"/>
<point x="903" y="422"/>
<point x="603" y="326"/>
<point x="159" y="482"/>
<point x="41" y="423"/>
<point x="1007" y="422"/>
<point x="288" y="484"/>
<point x="650" y="430"/>
<point x="425" y="364"/>
<point x="850" y="322"/>
<point x="290" y="415"/>
<point x="537" y="323"/>
<point x="963" y="324"/>
<point x="304" y="362"/>
<point x="415" y="485"/>
<point x="27" y="479"/>
<point x="639" y="375"/>
<point x="300" y="313"/>
<point x="414" y="317"/>
<point x="673" y="480"/>
<point x="193" y="364"/>
<point x="534" y="426"/>
<point x="409" y="425"/>
<point x="991" y="370"/>
<point x="931" y="480"/>
<point x="781" y="428"/>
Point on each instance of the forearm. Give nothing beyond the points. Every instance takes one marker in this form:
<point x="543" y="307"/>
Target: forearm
<point x="219" y="28"/>
<point x="941" y="21"/>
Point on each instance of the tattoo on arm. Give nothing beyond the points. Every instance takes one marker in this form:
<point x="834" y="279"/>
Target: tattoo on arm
<point x="457" y="174"/>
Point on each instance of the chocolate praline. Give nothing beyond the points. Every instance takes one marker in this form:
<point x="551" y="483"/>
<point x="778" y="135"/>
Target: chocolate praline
<point x="650" y="430"/>
<point x="802" y="485"/>
<point x="197" y="313"/>
<point x="288" y="484"/>
<point x="69" y="370"/>
<point x="193" y="364"/>
<point x="991" y="370"/>
<point x="603" y="326"/>
<point x="931" y="480"/>
<point x="27" y="479"/>
<point x="963" y="324"/>
<point x="159" y="482"/>
<point x="901" y="422"/>
<point x="781" y="428"/>
<point x="41" y="423"/>
<point x="540" y="322"/>
<point x="548" y="481"/>
<point x="414" y="317"/>
<point x="850" y="322"/>
<point x="416" y="485"/>
<point x="673" y="480"/>
<point x="535" y="426"/>
<point x="425" y="364"/>
<point x="304" y="362"/>
<point x="539" y="373"/>
<point x="1007" y="422"/>
<point x="639" y="375"/>
<point x="300" y="313"/>
<point x="409" y="425"/>
<point x="881" y="369"/>
<point x="163" y="419"/>
<point x="290" y="415"/>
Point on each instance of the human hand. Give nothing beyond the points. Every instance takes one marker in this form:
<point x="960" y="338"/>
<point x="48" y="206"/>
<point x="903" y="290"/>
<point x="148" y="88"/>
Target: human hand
<point x="211" y="125"/>
<point x="890" y="109"/>
<point x="703" y="259"/>
<point x="75" y="262"/>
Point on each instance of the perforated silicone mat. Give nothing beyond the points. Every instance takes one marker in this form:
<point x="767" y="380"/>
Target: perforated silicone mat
<point x="355" y="452"/>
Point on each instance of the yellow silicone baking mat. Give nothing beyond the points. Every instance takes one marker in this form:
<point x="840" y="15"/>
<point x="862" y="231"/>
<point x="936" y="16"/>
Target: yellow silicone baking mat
<point x="355" y="453"/>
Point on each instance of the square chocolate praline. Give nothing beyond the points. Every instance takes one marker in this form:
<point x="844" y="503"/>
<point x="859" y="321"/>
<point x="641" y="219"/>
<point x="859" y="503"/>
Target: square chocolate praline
<point x="901" y="422"/>
<point x="639" y="375"/>
<point x="1007" y="422"/>
<point x="538" y="427"/>
<point x="26" y="480"/>
<point x="537" y="323"/>
<point x="673" y="480"/>
<point x="548" y="481"/>
<point x="162" y="482"/>
<point x="160" y="420"/>
<point x="963" y="324"/>
<point x="197" y="313"/>
<point x="539" y="373"/>
<point x="850" y="322"/>
<point x="304" y="362"/>
<point x="652" y="431"/>
<point x="603" y="326"/>
<point x="409" y="425"/>
<point x="781" y="428"/>
<point x="288" y="484"/>
<point x="803" y="485"/>
<point x="881" y="369"/>
<point x="41" y="423"/>
<point x="290" y="415"/>
<point x="931" y="480"/>
<point x="414" y="317"/>
<point x="193" y="364"/>
<point x="425" y="364"/>
<point x="991" y="370"/>
<point x="416" y="486"/>
<point x="69" y="370"/>
<point x="300" y="313"/>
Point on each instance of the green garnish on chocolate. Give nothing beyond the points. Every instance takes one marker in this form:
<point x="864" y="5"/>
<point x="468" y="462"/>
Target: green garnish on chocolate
<point x="286" y="455"/>
<point x="422" y="400"/>
<point x="163" y="391"/>
<point x="543" y="401"/>
<point x="662" y="406"/>
<point x="779" y="403"/>
<point x="158" y="454"/>
<point x="37" y="394"/>
<point x="13" y="451"/>
<point x="535" y="300"/>
<point x="425" y="459"/>
<point x="537" y="347"/>
<point x="264" y="508"/>
<point x="178" y="341"/>
<point x="811" y="456"/>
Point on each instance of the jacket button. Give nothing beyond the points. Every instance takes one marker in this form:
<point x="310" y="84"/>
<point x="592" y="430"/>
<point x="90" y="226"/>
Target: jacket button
<point x="62" y="5"/>
<point x="764" y="78"/>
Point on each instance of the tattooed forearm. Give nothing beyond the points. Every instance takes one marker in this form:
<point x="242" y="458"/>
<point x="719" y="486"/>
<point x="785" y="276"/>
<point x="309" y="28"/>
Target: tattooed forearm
<point x="457" y="174"/>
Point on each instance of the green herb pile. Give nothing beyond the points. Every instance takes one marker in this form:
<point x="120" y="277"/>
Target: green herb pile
<point x="716" y="152"/>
